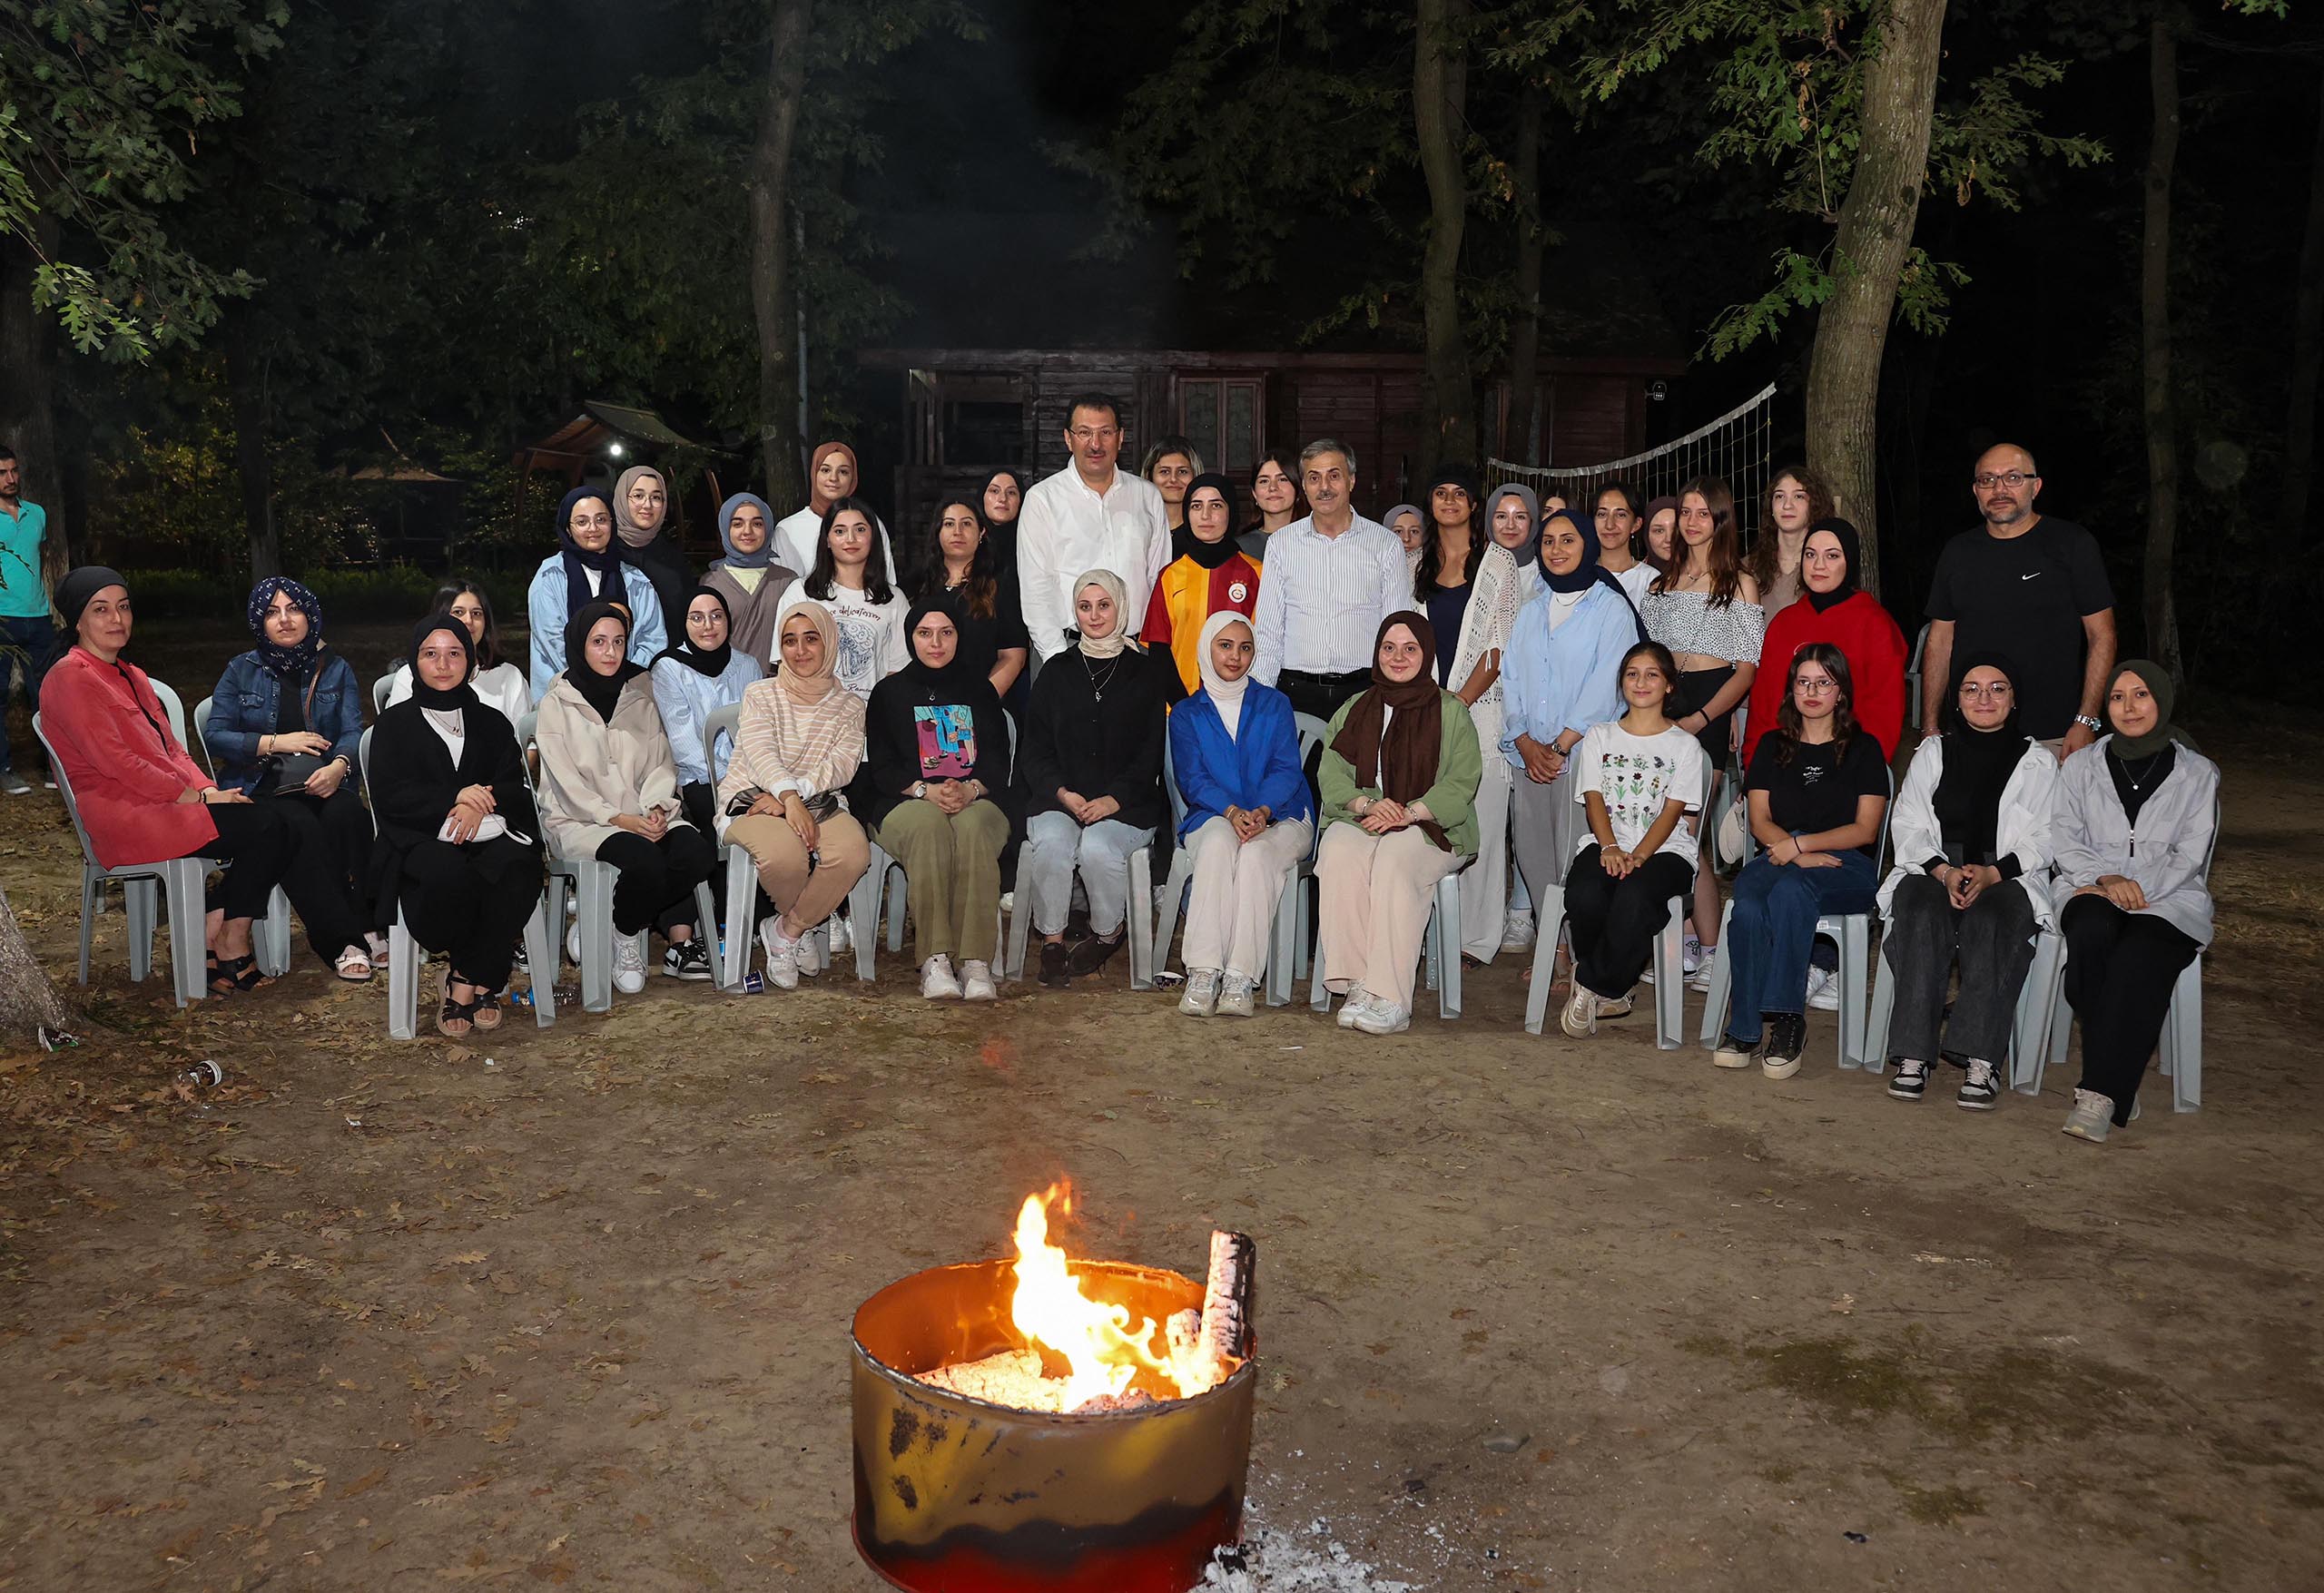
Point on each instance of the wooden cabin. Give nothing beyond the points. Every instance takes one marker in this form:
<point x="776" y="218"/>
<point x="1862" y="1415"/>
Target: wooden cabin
<point x="602" y="439"/>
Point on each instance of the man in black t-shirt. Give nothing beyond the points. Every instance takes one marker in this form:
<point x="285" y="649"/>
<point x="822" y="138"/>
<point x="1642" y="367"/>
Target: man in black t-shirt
<point x="2033" y="589"/>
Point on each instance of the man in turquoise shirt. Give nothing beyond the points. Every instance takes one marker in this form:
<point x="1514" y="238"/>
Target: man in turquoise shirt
<point x="27" y="637"/>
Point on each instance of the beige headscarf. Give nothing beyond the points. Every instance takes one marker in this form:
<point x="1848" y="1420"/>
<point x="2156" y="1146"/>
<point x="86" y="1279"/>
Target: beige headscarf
<point x="1114" y="641"/>
<point x="809" y="689"/>
<point x="631" y="533"/>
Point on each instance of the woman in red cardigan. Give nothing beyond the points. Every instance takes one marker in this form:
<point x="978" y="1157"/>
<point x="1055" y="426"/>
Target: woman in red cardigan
<point x="1833" y="608"/>
<point x="143" y="800"/>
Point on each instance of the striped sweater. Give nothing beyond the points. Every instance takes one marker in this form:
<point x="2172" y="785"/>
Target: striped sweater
<point x="784" y="746"/>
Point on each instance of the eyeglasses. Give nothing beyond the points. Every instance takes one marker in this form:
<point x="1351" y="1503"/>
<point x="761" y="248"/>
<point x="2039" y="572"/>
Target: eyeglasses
<point x="2013" y="479"/>
<point x="1814" y="688"/>
<point x="1986" y="693"/>
<point x="1085" y="435"/>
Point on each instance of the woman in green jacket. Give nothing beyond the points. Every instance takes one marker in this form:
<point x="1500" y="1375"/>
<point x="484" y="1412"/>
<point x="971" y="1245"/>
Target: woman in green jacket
<point x="1399" y="779"/>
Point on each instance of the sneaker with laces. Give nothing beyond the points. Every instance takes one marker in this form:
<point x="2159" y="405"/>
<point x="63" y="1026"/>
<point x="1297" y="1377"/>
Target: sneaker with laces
<point x="1980" y="1090"/>
<point x="936" y="981"/>
<point x="1234" y="997"/>
<point x="14" y="784"/>
<point x="1620" y="1007"/>
<point x="782" y="955"/>
<point x="1201" y="998"/>
<point x="1911" y="1082"/>
<point x="2092" y="1116"/>
<point x="975" y="982"/>
<point x="1358" y="1003"/>
<point x="1691" y="956"/>
<point x="687" y="960"/>
<point x="1383" y="1018"/>
<point x="1734" y="1053"/>
<point x="1787" y="1038"/>
<point x="1579" y="1018"/>
<point x="843" y="938"/>
<point x="1697" y="967"/>
<point x="1517" y="933"/>
<point x="1822" y="990"/>
<point x="629" y="963"/>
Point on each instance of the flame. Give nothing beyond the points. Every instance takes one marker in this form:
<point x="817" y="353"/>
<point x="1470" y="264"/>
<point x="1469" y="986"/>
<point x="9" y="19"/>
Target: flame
<point x="1104" y="1352"/>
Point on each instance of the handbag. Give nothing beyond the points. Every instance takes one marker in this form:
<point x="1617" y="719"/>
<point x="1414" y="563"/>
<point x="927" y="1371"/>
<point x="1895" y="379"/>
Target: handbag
<point x="287" y="773"/>
<point x="820" y="806"/>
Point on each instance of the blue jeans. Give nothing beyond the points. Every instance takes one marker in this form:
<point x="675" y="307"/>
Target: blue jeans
<point x="1774" y="927"/>
<point x="26" y="644"/>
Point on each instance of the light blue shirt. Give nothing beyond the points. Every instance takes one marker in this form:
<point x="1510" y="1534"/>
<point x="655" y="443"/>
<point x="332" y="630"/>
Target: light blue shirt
<point x="1570" y="679"/>
<point x="545" y="607"/>
<point x="687" y="698"/>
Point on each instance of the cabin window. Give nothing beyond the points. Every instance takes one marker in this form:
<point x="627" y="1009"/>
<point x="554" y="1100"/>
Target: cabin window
<point x="1224" y="417"/>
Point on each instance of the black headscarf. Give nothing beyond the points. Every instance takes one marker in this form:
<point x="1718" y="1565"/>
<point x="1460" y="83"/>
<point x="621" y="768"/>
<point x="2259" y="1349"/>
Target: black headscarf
<point x="607" y="563"/>
<point x="79" y="589"/>
<point x="460" y="696"/>
<point x="932" y="682"/>
<point x="1852" y="548"/>
<point x="1978" y="764"/>
<point x="1588" y="573"/>
<point x="1185" y="544"/>
<point x="714" y="663"/>
<point x="601" y="692"/>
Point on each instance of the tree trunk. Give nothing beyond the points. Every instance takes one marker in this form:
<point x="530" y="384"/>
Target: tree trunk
<point x="1876" y="232"/>
<point x="773" y="289"/>
<point x="29" y="1002"/>
<point x="1525" y="330"/>
<point x="28" y="391"/>
<point x="246" y="386"/>
<point x="2154" y="345"/>
<point x="2307" y="350"/>
<point x="1440" y="85"/>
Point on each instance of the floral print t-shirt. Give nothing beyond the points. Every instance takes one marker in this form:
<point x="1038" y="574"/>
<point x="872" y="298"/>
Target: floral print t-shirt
<point x="1635" y="775"/>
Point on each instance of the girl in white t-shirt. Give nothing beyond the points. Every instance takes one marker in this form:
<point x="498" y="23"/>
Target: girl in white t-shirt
<point x="1638" y="778"/>
<point x="869" y="611"/>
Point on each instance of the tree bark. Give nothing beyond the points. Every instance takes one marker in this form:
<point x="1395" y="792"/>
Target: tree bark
<point x="1440" y="87"/>
<point x="28" y="392"/>
<point x="2154" y="344"/>
<point x="2307" y="350"/>
<point x="29" y="1000"/>
<point x="1525" y="331"/>
<point x="774" y="286"/>
<point x="246" y="387"/>
<point x="1876" y="233"/>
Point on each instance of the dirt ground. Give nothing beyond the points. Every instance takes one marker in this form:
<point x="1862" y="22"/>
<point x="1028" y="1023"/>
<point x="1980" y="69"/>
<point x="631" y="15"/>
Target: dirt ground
<point x="571" y="1307"/>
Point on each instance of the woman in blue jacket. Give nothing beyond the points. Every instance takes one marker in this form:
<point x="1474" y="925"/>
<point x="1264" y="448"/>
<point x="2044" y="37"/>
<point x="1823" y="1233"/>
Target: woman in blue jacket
<point x="1562" y="674"/>
<point x="588" y="568"/>
<point x="700" y="673"/>
<point x="285" y="726"/>
<point x="1235" y="751"/>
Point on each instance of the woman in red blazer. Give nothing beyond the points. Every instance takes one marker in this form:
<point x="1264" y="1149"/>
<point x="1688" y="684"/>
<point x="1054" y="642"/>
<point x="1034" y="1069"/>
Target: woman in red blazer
<point x="143" y="800"/>
<point x="1833" y="608"/>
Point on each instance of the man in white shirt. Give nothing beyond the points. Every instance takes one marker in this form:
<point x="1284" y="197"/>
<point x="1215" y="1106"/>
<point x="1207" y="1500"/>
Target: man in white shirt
<point x="1320" y="608"/>
<point x="1089" y="516"/>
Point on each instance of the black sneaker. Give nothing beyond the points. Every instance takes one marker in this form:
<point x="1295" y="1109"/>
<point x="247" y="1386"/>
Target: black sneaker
<point x="1787" y="1038"/>
<point x="1088" y="956"/>
<point x="1911" y="1082"/>
<point x="686" y="961"/>
<point x="1055" y="970"/>
<point x="1980" y="1090"/>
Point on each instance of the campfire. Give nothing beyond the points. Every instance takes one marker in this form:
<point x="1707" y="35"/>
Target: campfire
<point x="1048" y="1425"/>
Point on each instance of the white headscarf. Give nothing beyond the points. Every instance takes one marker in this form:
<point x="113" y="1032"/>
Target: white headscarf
<point x="1224" y="695"/>
<point x="1114" y="641"/>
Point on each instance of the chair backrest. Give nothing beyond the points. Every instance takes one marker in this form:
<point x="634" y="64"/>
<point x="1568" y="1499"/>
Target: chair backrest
<point x="1170" y="783"/>
<point x="202" y="733"/>
<point x="172" y="704"/>
<point x="363" y="769"/>
<point x="1913" y="676"/>
<point x="726" y="722"/>
<point x="1312" y="731"/>
<point x="64" y="788"/>
<point x="380" y="688"/>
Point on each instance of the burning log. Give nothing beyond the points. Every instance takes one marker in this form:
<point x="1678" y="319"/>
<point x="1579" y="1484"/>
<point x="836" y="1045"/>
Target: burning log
<point x="1227" y="1299"/>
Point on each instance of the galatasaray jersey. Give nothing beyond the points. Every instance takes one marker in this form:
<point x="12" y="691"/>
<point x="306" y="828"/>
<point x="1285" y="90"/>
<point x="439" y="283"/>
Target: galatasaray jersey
<point x="1186" y="595"/>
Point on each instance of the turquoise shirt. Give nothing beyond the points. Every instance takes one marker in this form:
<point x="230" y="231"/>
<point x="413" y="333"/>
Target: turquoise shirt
<point x="22" y="594"/>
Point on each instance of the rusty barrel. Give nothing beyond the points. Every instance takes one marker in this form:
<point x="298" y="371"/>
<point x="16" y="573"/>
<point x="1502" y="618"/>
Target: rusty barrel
<point x="959" y="1495"/>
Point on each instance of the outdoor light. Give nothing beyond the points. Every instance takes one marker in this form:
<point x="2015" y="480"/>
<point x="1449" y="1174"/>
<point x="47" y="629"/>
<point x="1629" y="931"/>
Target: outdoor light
<point x="614" y="449"/>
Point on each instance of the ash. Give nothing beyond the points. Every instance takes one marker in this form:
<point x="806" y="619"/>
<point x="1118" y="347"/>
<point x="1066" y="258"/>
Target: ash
<point x="1281" y="1562"/>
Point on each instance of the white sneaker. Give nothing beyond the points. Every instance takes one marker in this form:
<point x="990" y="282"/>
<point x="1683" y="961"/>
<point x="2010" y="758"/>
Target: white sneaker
<point x="975" y="982"/>
<point x="573" y="944"/>
<point x="1691" y="956"/>
<point x="1822" y="990"/>
<point x="843" y="938"/>
<point x="1382" y="1019"/>
<point x="629" y="963"/>
<point x="1234" y="998"/>
<point x="1358" y="1003"/>
<point x="1201" y="998"/>
<point x="936" y="981"/>
<point x="782" y="955"/>
<point x="1699" y="974"/>
<point x="1517" y="933"/>
<point x="2092" y="1117"/>
<point x="1579" y="1018"/>
<point x="1620" y="1007"/>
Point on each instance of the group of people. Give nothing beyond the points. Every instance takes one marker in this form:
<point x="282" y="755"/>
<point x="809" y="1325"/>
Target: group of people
<point x="1068" y="665"/>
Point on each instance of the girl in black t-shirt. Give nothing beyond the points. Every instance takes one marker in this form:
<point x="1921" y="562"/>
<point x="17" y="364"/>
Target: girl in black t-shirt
<point x="1818" y="789"/>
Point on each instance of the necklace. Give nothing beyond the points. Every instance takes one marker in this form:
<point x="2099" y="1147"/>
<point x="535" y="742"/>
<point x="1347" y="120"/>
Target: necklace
<point x="2138" y="781"/>
<point x="1099" y="683"/>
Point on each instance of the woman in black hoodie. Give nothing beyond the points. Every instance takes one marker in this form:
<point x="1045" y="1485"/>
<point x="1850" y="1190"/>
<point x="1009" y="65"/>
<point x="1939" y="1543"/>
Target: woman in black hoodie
<point x="934" y="788"/>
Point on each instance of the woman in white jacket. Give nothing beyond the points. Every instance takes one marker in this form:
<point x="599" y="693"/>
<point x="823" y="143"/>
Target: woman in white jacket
<point x="1971" y="885"/>
<point x="2138" y="811"/>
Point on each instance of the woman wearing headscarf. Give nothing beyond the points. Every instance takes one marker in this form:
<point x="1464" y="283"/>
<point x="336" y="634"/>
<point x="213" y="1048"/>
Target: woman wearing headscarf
<point x="459" y="849"/>
<point x="748" y="578"/>
<point x="2137" y="813"/>
<point x="1411" y="528"/>
<point x="997" y="506"/>
<point x="498" y="682"/>
<point x="935" y="789"/>
<point x="641" y="519"/>
<point x="961" y="569"/>
<point x="831" y="475"/>
<point x="609" y="790"/>
<point x="1092" y="755"/>
<point x="142" y="800"/>
<point x="800" y="741"/>
<point x="1971" y="882"/>
<point x="588" y="568"/>
<point x="1399" y="777"/>
<point x="1562" y="674"/>
<point x="1514" y="520"/>
<point x="1234" y="754"/>
<point x="1833" y="608"/>
<point x="695" y="676"/>
<point x="286" y="724"/>
<point x="1208" y="573"/>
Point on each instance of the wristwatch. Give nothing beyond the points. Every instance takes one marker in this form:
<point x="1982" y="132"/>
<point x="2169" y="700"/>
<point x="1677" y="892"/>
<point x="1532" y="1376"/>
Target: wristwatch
<point x="2089" y="723"/>
<point x="920" y="788"/>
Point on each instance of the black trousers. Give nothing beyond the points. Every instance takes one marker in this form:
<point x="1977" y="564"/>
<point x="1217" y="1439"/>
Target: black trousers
<point x="1321" y="694"/>
<point x="338" y="828"/>
<point x="450" y="906"/>
<point x="1993" y="943"/>
<point x="2120" y="969"/>
<point x="1614" y="921"/>
<point x="657" y="877"/>
<point x="266" y="847"/>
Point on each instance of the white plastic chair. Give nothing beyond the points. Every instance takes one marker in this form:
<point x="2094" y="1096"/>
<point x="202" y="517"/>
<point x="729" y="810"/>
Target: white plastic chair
<point x="593" y="882"/>
<point x="404" y="954"/>
<point x="1282" y="939"/>
<point x="1670" y="977"/>
<point x="1139" y="925"/>
<point x="742" y="878"/>
<point x="180" y="878"/>
<point x="271" y="936"/>
<point x="1852" y="930"/>
<point x="1913" y="678"/>
<point x="380" y="688"/>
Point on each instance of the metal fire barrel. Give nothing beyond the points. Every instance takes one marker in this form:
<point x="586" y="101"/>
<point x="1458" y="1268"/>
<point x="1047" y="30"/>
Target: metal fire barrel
<point x="959" y="1495"/>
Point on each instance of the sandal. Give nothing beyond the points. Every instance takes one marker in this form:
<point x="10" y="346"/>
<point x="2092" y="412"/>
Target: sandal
<point x="487" y="1012"/>
<point x="354" y="966"/>
<point x="454" y="1019"/>
<point x="231" y="975"/>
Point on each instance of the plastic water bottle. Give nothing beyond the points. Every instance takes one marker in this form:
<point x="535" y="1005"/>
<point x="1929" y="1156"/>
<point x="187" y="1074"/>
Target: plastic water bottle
<point x="203" y="1074"/>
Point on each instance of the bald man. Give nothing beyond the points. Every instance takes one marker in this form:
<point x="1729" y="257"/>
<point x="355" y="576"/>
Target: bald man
<point x="2033" y="589"/>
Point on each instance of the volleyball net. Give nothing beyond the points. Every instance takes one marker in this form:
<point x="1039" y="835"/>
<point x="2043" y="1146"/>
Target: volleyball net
<point x="1734" y="447"/>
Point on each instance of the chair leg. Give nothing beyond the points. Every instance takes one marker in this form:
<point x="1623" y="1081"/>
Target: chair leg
<point x="896" y="909"/>
<point x="1671" y="980"/>
<point x="403" y="981"/>
<point x="1448" y="945"/>
<point x="1303" y="949"/>
<point x="187" y="973"/>
<point x="1549" y="916"/>
<point x="1882" y="1014"/>
<point x="742" y="910"/>
<point x="1141" y="921"/>
<point x="92" y="896"/>
<point x="1283" y="942"/>
<point x="1319" y="994"/>
<point x="273" y="939"/>
<point x="596" y="882"/>
<point x="1721" y="981"/>
<point x="540" y="951"/>
<point x="863" y="914"/>
<point x="2029" y="1043"/>
<point x="2182" y="1039"/>
<point x="1856" y="940"/>
<point x="706" y="925"/>
<point x="1020" y="930"/>
<point x="139" y="907"/>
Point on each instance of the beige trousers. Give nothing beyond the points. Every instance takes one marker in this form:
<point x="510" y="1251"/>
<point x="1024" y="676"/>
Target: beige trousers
<point x="1376" y="894"/>
<point x="809" y="894"/>
<point x="1231" y="909"/>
